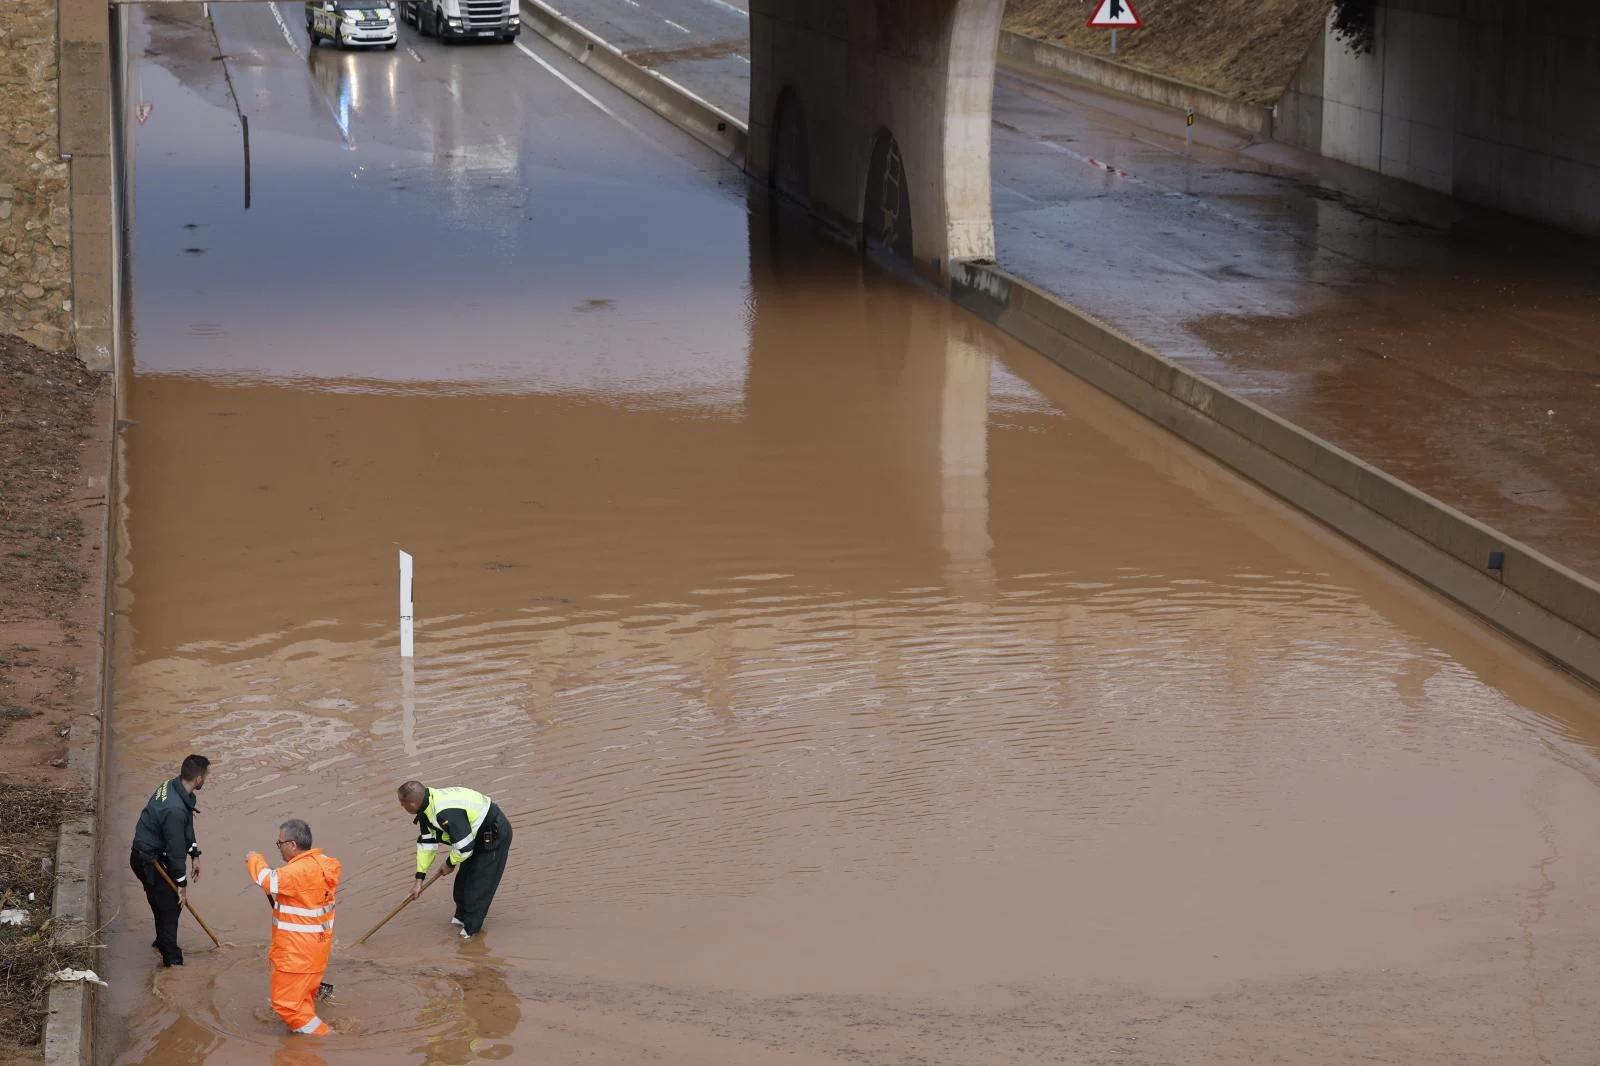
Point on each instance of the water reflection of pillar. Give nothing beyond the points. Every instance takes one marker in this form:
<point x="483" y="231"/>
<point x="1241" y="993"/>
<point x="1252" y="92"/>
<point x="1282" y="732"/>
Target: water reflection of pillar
<point x="964" y="465"/>
<point x="885" y="393"/>
<point x="941" y="404"/>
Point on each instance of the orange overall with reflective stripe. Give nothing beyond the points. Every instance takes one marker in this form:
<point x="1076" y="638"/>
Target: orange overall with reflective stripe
<point x="302" y="894"/>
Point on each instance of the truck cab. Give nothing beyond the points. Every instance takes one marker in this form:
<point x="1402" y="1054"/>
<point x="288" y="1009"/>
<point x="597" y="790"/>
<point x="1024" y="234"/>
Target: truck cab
<point x="353" y="23"/>
<point x="495" y="20"/>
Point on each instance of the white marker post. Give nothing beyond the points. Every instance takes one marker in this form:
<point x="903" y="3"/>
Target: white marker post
<point x="407" y="645"/>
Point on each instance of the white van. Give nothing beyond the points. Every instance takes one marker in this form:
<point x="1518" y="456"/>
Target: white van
<point x="349" y="23"/>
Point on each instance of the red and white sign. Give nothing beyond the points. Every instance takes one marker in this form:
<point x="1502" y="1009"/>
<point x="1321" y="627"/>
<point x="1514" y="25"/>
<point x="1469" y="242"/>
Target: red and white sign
<point x="1116" y="15"/>
<point x="142" y="112"/>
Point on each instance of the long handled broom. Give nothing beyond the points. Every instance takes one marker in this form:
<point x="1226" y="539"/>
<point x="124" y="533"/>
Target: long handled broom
<point x="168" y="879"/>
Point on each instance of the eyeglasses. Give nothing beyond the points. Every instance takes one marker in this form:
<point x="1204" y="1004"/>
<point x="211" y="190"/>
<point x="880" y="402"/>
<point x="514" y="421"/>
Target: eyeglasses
<point x="281" y="843"/>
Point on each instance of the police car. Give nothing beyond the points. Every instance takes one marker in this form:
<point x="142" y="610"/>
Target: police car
<point x="353" y="22"/>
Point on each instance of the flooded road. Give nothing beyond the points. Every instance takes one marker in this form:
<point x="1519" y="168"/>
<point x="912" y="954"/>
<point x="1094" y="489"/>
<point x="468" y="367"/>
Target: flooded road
<point x="1451" y="346"/>
<point x="862" y="688"/>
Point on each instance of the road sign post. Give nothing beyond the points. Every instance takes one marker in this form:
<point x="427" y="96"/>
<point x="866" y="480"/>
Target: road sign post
<point x="1115" y="15"/>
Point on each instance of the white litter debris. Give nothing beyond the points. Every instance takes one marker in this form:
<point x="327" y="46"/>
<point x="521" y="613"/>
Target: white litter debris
<point x="13" y="916"/>
<point x="77" y="975"/>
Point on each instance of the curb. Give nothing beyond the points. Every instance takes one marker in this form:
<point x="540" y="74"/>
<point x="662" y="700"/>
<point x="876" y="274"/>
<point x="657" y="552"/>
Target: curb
<point x="74" y="913"/>
<point x="1532" y="598"/>
<point x="1032" y="53"/>
<point x="710" y="125"/>
<point x="1529" y="596"/>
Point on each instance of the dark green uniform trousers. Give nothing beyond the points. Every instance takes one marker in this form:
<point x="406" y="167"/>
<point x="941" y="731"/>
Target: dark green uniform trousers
<point x="479" y="877"/>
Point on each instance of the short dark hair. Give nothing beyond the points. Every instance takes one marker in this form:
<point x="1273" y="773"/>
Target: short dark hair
<point x="415" y="791"/>
<point x="296" y="830"/>
<point x="194" y="767"/>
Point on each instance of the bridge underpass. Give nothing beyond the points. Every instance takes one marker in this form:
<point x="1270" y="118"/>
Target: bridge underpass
<point x="862" y="687"/>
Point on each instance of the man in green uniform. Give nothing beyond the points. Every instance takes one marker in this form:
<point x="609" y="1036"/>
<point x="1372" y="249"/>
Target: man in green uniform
<point x="477" y="835"/>
<point x="165" y="835"/>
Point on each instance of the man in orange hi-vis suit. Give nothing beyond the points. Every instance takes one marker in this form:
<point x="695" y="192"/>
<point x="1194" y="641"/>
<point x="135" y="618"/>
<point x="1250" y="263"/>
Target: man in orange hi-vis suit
<point x="301" y="892"/>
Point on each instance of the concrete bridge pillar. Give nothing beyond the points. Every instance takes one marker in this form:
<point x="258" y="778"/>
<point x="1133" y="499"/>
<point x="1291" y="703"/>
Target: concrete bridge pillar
<point x="875" y="114"/>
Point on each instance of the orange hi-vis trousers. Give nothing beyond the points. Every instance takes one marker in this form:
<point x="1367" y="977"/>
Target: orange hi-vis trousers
<point x="294" y="997"/>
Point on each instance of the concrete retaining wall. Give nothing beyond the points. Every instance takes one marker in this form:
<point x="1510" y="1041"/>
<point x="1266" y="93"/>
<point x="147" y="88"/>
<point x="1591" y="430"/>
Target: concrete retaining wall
<point x="715" y="128"/>
<point x="1551" y="608"/>
<point x="1027" y="51"/>
<point x="58" y="267"/>
<point x="1490" y="102"/>
<point x="35" y="263"/>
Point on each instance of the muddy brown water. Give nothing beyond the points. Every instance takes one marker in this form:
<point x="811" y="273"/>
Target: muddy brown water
<point x="862" y="688"/>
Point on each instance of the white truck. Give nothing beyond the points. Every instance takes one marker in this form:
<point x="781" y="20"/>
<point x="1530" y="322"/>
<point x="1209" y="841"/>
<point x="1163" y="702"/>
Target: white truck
<point x="499" y="20"/>
<point x="349" y="23"/>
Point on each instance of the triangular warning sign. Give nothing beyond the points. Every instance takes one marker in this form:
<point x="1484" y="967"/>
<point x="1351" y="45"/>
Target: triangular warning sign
<point x="1116" y="15"/>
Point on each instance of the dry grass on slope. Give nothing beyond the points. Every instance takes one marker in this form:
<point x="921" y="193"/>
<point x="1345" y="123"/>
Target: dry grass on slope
<point x="1244" y="48"/>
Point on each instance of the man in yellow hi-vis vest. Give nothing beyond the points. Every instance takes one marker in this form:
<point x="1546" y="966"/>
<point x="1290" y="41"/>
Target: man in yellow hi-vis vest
<point x="477" y="835"/>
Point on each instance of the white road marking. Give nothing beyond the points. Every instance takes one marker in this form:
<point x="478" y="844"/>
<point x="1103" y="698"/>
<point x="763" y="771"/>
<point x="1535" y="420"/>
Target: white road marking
<point x="414" y="54"/>
<point x="741" y="12"/>
<point x="675" y="26"/>
<point x="287" y="34"/>
<point x="575" y="87"/>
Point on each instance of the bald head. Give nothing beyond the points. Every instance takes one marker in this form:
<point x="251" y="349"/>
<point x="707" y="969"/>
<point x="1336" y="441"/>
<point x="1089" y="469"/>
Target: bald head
<point x="413" y="794"/>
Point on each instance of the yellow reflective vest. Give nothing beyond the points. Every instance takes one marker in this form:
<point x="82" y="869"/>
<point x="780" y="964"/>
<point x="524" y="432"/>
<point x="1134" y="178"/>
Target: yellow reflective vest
<point x="451" y="818"/>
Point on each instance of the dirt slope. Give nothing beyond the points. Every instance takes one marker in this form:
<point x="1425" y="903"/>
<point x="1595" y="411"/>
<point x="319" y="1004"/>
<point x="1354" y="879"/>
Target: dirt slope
<point x="53" y="434"/>
<point x="1244" y="48"/>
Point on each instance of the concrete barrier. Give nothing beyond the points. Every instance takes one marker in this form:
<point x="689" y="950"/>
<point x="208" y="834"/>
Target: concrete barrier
<point x="1525" y="594"/>
<point x="715" y="128"/>
<point x="1255" y="119"/>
